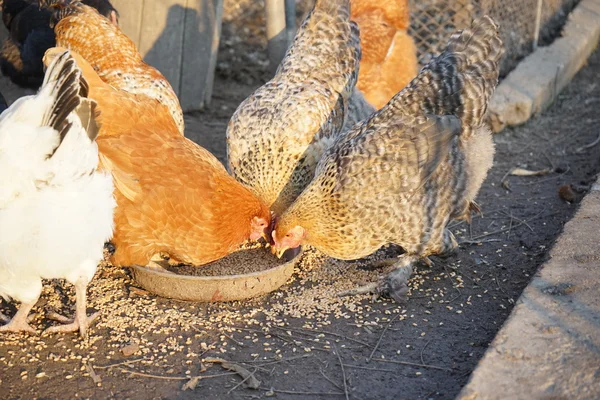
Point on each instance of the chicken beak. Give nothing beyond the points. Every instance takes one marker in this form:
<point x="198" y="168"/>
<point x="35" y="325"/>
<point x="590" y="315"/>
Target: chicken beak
<point x="278" y="251"/>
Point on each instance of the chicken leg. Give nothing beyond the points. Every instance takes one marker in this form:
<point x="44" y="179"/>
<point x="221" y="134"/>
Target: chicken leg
<point x="81" y="321"/>
<point x="19" y="322"/>
<point x="395" y="283"/>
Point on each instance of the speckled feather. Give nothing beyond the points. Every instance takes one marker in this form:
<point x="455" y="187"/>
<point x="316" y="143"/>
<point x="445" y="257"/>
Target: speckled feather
<point x="278" y="134"/>
<point x="112" y="54"/>
<point x="173" y="196"/>
<point x="401" y="175"/>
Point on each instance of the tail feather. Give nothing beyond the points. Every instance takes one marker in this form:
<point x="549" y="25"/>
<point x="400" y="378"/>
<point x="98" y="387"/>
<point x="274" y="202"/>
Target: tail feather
<point x="460" y="81"/>
<point x="67" y="87"/>
<point x="88" y="114"/>
<point x="326" y="47"/>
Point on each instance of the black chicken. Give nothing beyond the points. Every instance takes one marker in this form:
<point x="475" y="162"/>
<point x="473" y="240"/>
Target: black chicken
<point x="30" y="35"/>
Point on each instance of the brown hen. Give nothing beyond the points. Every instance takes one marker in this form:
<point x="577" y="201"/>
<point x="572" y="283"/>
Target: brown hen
<point x="173" y="196"/>
<point x="389" y="55"/>
<point x="277" y="135"/>
<point x="110" y="52"/>
<point x="400" y="176"/>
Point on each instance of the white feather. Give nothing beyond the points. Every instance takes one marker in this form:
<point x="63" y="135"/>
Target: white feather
<point x="55" y="213"/>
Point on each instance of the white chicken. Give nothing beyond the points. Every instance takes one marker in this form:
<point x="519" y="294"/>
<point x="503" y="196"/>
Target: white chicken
<point x="56" y="209"/>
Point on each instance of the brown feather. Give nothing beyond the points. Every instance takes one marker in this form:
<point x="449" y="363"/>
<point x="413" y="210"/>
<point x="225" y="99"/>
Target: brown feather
<point x="172" y="195"/>
<point x="111" y="53"/>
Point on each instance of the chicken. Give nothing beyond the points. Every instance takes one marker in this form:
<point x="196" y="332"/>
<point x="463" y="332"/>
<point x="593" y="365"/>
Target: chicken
<point x="400" y="176"/>
<point x="30" y="36"/>
<point x="56" y="209"/>
<point x="277" y="135"/>
<point x="389" y="60"/>
<point x="173" y="196"/>
<point x="112" y="54"/>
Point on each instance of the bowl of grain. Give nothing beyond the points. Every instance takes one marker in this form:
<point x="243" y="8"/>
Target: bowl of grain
<point x="249" y="272"/>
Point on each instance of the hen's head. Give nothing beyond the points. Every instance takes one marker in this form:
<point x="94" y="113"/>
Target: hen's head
<point x="260" y="223"/>
<point x="287" y="238"/>
<point x="259" y="227"/>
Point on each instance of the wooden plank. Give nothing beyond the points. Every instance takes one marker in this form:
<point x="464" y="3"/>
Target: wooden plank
<point x="180" y="38"/>
<point x="161" y="39"/>
<point x="199" y="57"/>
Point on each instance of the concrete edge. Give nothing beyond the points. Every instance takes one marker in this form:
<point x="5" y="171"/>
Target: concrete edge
<point x="538" y="79"/>
<point x="549" y="346"/>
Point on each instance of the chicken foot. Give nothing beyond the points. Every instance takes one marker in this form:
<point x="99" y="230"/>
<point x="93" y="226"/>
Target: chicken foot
<point x="19" y="323"/>
<point x="395" y="283"/>
<point x="81" y="321"/>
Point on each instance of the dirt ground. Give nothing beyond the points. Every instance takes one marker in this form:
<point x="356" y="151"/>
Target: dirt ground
<point x="303" y="342"/>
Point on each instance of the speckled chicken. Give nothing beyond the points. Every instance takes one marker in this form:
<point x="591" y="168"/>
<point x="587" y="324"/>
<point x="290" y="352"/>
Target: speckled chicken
<point x="389" y="60"/>
<point x="173" y="196"/>
<point x="30" y="35"/>
<point x="400" y="176"/>
<point x="56" y="209"/>
<point x="278" y="134"/>
<point x="112" y="54"/>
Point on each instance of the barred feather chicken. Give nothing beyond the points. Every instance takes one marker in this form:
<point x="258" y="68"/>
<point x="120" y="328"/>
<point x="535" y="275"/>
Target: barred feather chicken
<point x="400" y="176"/>
<point x="389" y="60"/>
<point x="112" y="54"/>
<point x="30" y="36"/>
<point x="173" y="196"/>
<point x="56" y="209"/>
<point x="278" y="134"/>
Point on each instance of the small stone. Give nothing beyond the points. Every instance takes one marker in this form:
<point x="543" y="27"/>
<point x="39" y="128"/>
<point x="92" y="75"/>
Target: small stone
<point x="130" y="349"/>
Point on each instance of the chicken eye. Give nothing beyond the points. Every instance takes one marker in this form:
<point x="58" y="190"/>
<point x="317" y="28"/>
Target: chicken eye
<point x="289" y="235"/>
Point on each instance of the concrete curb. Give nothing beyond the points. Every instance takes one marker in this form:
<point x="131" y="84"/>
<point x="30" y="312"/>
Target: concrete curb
<point x="534" y="84"/>
<point x="549" y="348"/>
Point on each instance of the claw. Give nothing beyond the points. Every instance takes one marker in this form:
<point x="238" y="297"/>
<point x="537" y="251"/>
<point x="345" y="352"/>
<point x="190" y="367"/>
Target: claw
<point x="19" y="322"/>
<point x="72" y="325"/>
<point x="58" y="317"/>
<point x="81" y="321"/>
<point x="388" y="262"/>
<point x="17" y="326"/>
<point x="475" y="208"/>
<point x="369" y="288"/>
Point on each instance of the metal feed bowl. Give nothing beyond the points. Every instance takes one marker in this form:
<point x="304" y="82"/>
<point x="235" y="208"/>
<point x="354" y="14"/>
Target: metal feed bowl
<point x="214" y="288"/>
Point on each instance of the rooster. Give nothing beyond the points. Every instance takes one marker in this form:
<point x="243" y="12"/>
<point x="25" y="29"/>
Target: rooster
<point x="56" y="209"/>
<point x="277" y="135"/>
<point x="389" y="60"/>
<point x="173" y="196"/>
<point x="30" y="36"/>
<point x="401" y="175"/>
<point x="112" y="54"/>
